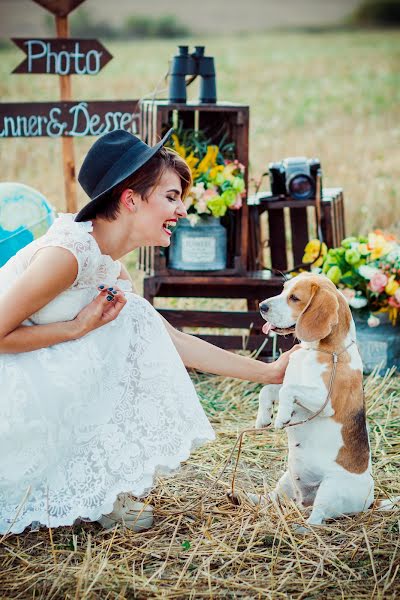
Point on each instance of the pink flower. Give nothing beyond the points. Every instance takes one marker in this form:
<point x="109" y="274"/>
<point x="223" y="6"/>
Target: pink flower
<point x="394" y="302"/>
<point x="201" y="206"/>
<point x="373" y="321"/>
<point x="238" y="203"/>
<point x="378" y="282"/>
<point x="348" y="293"/>
<point x="210" y="193"/>
<point x="188" y="202"/>
<point x="397" y="295"/>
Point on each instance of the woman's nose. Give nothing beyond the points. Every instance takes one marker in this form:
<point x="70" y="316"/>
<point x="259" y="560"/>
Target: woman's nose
<point x="181" y="210"/>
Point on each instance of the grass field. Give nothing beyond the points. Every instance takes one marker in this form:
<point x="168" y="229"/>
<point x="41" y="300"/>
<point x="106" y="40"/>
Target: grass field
<point x="333" y="95"/>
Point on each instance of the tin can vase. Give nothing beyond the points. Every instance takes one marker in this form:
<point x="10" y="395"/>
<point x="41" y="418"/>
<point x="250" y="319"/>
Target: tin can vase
<point x="377" y="345"/>
<point x="200" y="247"/>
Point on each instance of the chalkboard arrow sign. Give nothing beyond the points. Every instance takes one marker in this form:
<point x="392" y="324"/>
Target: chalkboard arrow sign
<point x="68" y="119"/>
<point x="62" y="56"/>
<point x="61" y="8"/>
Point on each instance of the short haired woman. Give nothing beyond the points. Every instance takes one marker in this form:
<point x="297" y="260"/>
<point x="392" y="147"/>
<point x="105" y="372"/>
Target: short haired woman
<point x="95" y="397"/>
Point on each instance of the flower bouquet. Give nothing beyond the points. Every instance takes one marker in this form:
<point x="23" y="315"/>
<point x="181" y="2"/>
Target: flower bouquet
<point x="366" y="269"/>
<point x="218" y="177"/>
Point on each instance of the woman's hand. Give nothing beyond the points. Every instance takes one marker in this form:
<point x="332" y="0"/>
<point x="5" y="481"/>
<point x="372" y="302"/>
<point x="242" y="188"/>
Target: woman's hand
<point x="281" y="363"/>
<point x="103" y="309"/>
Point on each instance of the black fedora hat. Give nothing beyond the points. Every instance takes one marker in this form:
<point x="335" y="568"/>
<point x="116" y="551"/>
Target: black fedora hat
<point x="111" y="159"/>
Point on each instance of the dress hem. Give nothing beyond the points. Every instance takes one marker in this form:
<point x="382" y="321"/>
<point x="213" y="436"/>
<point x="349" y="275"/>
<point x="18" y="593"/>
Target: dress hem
<point x="106" y="507"/>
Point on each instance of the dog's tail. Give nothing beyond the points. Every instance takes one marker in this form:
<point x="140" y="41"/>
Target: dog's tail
<point x="388" y="504"/>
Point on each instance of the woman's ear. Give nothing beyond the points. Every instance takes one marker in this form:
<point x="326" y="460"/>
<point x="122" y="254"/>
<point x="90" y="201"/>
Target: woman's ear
<point x="129" y="199"/>
<point x="319" y="316"/>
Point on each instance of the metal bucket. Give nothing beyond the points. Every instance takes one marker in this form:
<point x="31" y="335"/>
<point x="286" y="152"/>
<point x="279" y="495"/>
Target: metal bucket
<point x="200" y="247"/>
<point x="377" y="345"/>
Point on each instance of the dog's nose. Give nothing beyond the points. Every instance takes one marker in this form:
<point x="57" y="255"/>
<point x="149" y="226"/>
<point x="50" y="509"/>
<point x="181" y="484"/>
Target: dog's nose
<point x="263" y="306"/>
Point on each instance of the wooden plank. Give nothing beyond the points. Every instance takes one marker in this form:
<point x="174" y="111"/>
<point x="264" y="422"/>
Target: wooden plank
<point x="279" y="202"/>
<point x="252" y="342"/>
<point x="327" y="224"/>
<point x="140" y="259"/>
<point x="68" y="119"/>
<point x="342" y="218"/>
<point x="242" y="145"/>
<point x="59" y="7"/>
<point x="254" y="258"/>
<point x="215" y="318"/>
<point x="256" y="279"/>
<point x="277" y="239"/>
<point x="234" y="342"/>
<point x="193" y="106"/>
<point x="61" y="56"/>
<point x="258" y="293"/>
<point x="299" y="226"/>
<point x="67" y="143"/>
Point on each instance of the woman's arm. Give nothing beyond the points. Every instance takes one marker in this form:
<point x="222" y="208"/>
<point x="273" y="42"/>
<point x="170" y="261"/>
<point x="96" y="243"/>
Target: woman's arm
<point x="51" y="272"/>
<point x="198" y="354"/>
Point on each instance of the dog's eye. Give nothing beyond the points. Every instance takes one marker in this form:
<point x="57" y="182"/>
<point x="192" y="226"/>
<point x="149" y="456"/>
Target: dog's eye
<point x="294" y="298"/>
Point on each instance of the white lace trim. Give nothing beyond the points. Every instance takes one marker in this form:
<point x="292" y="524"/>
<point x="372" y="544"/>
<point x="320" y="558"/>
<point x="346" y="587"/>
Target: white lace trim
<point x="94" y="268"/>
<point x="160" y="470"/>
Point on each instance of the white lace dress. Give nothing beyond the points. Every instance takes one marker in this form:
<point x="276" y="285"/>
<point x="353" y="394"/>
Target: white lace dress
<point x="85" y="420"/>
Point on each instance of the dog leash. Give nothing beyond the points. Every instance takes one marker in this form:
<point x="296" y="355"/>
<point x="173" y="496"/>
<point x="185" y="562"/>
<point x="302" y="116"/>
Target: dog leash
<point x="335" y="359"/>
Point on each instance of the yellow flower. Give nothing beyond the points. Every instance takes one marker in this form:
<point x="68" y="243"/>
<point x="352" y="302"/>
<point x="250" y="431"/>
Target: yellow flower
<point x="215" y="170"/>
<point x="192" y="162"/>
<point x="209" y="161"/>
<point x="181" y="150"/>
<point x="228" y="171"/>
<point x="392" y="286"/>
<point x="311" y="251"/>
<point x="378" y="245"/>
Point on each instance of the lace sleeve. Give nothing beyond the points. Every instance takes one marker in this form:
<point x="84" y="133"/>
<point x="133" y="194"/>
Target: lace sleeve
<point x="66" y="233"/>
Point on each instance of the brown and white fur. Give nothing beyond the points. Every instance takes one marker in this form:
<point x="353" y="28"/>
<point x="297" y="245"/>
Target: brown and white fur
<point x="329" y="464"/>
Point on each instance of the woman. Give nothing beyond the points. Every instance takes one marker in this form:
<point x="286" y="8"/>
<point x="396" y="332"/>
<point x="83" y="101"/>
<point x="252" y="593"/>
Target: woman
<point x="95" y="396"/>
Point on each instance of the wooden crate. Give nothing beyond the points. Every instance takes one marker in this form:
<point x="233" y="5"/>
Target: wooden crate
<point x="287" y="237"/>
<point x="216" y="119"/>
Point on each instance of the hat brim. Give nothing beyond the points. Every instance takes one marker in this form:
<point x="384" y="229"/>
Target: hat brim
<point x="125" y="167"/>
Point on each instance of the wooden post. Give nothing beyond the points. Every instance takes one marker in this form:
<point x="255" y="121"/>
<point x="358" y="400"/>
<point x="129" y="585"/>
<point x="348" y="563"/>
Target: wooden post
<point x="67" y="142"/>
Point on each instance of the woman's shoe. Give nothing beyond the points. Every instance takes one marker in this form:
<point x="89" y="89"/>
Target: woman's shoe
<point x="134" y="515"/>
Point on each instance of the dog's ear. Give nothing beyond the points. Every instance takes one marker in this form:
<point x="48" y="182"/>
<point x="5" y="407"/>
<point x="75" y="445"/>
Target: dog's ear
<point x="319" y="316"/>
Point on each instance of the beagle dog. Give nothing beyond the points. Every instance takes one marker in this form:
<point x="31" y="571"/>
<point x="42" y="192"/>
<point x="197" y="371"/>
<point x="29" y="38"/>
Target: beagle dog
<point x="321" y="401"/>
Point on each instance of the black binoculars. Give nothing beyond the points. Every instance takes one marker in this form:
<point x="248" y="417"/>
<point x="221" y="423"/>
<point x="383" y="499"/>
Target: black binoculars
<point x="193" y="64"/>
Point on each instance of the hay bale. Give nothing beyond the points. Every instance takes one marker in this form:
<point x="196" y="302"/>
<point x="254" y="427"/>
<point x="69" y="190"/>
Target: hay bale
<point x="217" y="550"/>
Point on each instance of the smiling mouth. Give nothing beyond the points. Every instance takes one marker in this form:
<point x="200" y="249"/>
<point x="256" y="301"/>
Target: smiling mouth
<point x="168" y="226"/>
<point x="267" y="327"/>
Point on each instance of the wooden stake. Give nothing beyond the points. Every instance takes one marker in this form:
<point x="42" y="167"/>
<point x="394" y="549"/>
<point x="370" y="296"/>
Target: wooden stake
<point x="67" y="142"/>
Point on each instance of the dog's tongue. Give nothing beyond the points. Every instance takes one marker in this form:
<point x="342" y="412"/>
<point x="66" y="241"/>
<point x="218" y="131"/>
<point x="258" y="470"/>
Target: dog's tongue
<point x="266" y="328"/>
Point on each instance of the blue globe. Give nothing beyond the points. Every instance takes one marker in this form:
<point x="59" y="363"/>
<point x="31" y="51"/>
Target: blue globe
<point x="25" y="215"/>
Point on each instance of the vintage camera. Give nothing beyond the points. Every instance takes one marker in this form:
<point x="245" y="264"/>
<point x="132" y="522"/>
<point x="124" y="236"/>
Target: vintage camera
<point x="194" y="64"/>
<point x="295" y="177"/>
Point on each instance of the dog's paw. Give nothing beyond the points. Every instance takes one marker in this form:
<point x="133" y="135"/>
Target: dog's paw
<point x="284" y="418"/>
<point x="263" y="421"/>
<point x="301" y="529"/>
<point x="256" y="499"/>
